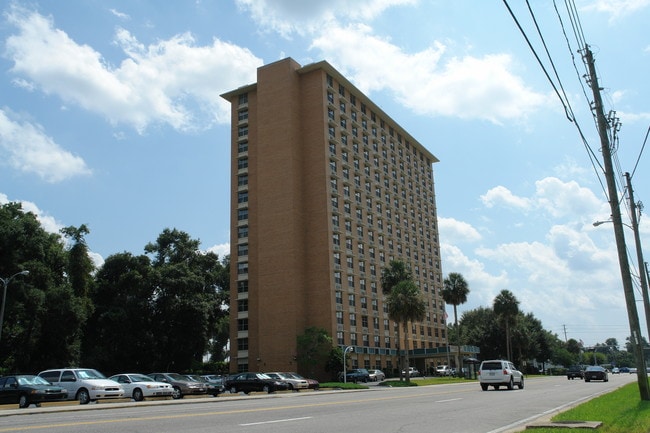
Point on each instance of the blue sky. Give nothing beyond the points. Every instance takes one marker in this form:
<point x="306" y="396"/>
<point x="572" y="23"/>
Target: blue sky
<point x="110" y="116"/>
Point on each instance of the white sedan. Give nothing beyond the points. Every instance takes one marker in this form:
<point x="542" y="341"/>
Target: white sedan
<point x="294" y="383"/>
<point x="140" y="386"/>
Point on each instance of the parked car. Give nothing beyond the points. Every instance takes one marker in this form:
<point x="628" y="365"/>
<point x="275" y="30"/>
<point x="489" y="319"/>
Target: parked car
<point x="139" y="386"/>
<point x="498" y="372"/>
<point x="575" y="372"/>
<point x="216" y="380"/>
<point x="181" y="385"/>
<point x="294" y="383"/>
<point x="252" y="381"/>
<point x="355" y="375"/>
<point x="83" y="384"/>
<point x="616" y="370"/>
<point x="376" y="375"/>
<point x="413" y="372"/>
<point x="311" y="383"/>
<point x="624" y="369"/>
<point x="443" y="370"/>
<point x="596" y="372"/>
<point x="27" y="389"/>
<point x="210" y="388"/>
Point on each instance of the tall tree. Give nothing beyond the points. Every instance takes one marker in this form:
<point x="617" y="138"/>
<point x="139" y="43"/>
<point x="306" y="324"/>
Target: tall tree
<point x="506" y="308"/>
<point x="314" y="348"/>
<point x="455" y="293"/>
<point x="396" y="272"/>
<point x="187" y="299"/>
<point x="405" y="304"/>
<point x="43" y="316"/>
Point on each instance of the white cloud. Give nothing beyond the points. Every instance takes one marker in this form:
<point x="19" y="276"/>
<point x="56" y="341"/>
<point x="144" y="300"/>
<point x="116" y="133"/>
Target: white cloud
<point x="454" y="231"/>
<point x="299" y="16"/>
<point x="430" y="82"/>
<point x="27" y="148"/>
<point x="500" y="195"/>
<point x="120" y="15"/>
<point x="222" y="250"/>
<point x="616" y="8"/>
<point x="172" y="82"/>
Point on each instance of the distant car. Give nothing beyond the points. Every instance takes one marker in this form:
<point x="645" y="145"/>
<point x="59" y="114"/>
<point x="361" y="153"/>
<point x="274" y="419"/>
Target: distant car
<point x="377" y="375"/>
<point x="632" y="370"/>
<point x="624" y="370"/>
<point x="595" y="372"/>
<point x="444" y="370"/>
<point x="83" y="384"/>
<point x="616" y="370"/>
<point x="413" y="372"/>
<point x="252" y="381"/>
<point x="27" y="389"/>
<point x="181" y="385"/>
<point x="294" y="383"/>
<point x="575" y="372"/>
<point x="216" y="380"/>
<point x="210" y="388"/>
<point x="355" y="375"/>
<point x="139" y="386"/>
<point x="311" y="383"/>
<point x="499" y="372"/>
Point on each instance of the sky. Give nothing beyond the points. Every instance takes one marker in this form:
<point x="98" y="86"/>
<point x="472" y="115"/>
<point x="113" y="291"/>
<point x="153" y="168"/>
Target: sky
<point x="110" y="116"/>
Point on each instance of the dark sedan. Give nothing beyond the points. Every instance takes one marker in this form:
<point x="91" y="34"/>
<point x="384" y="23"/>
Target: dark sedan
<point x="251" y="382"/>
<point x="595" y="372"/>
<point x="26" y="389"/>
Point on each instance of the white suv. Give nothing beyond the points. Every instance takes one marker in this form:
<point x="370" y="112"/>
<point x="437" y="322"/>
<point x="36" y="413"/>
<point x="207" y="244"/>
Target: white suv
<point x="498" y="372"/>
<point x="83" y="384"/>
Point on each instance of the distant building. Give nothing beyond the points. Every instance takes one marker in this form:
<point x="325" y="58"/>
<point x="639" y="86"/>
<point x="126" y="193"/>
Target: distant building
<point x="326" y="190"/>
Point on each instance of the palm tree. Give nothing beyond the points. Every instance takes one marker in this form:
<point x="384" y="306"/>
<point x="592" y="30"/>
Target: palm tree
<point x="454" y="293"/>
<point x="405" y="305"/>
<point x="395" y="272"/>
<point x="506" y="308"/>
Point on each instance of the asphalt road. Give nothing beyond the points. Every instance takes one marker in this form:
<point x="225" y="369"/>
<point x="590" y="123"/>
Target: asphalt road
<point x="442" y="408"/>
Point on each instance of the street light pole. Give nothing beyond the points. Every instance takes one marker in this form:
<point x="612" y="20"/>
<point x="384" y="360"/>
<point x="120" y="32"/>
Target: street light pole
<point x="345" y="351"/>
<point x="5" y="284"/>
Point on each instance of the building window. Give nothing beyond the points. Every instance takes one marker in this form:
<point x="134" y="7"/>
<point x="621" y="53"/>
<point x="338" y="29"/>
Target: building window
<point x="351" y="300"/>
<point x="242" y="344"/>
<point x="242" y="115"/>
<point x="242" y="214"/>
<point x="242" y="249"/>
<point x="242" y="163"/>
<point x="242" y="131"/>
<point x="242" y="305"/>
<point x="337" y="278"/>
<point x="242" y="147"/>
<point x="353" y="319"/>
<point x="339" y="298"/>
<point x="242" y="180"/>
<point x="242" y="286"/>
<point x="339" y="317"/>
<point x="242" y="268"/>
<point x="242" y="324"/>
<point x="243" y="98"/>
<point x="242" y="232"/>
<point x="242" y="197"/>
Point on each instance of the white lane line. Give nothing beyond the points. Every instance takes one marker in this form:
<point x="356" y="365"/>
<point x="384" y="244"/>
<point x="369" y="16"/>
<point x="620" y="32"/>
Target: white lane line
<point x="451" y="399"/>
<point x="275" y="421"/>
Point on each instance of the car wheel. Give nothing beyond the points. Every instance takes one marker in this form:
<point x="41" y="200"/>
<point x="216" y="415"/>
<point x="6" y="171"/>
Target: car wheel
<point x="496" y="387"/>
<point x="23" y="402"/>
<point x="511" y="384"/>
<point x="83" y="396"/>
<point x="138" y="395"/>
<point x="521" y="384"/>
<point x="233" y="390"/>
<point x="267" y="389"/>
<point x="587" y="380"/>
<point x="291" y="387"/>
<point x="176" y="394"/>
<point x="484" y="386"/>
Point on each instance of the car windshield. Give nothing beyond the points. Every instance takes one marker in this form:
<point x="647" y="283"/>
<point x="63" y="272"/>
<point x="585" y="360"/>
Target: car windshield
<point x="263" y="376"/>
<point x="140" y="378"/>
<point x="295" y="375"/>
<point x="32" y="380"/>
<point x="491" y="366"/>
<point x="176" y="376"/>
<point x="90" y="374"/>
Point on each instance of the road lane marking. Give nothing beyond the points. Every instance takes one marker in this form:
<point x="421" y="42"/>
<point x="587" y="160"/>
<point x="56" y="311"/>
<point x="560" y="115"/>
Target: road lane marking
<point x="275" y="421"/>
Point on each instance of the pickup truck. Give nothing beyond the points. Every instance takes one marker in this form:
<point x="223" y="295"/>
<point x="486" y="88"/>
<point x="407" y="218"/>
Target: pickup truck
<point x="575" y="372"/>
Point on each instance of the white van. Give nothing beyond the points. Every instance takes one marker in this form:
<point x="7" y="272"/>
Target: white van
<point x="497" y="372"/>
<point x="83" y="384"/>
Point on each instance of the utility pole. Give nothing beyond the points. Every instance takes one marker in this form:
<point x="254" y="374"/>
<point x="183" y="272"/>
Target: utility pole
<point x="633" y="316"/>
<point x="639" y="253"/>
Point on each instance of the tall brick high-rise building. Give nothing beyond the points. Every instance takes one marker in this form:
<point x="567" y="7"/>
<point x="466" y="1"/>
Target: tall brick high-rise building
<point x="327" y="189"/>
